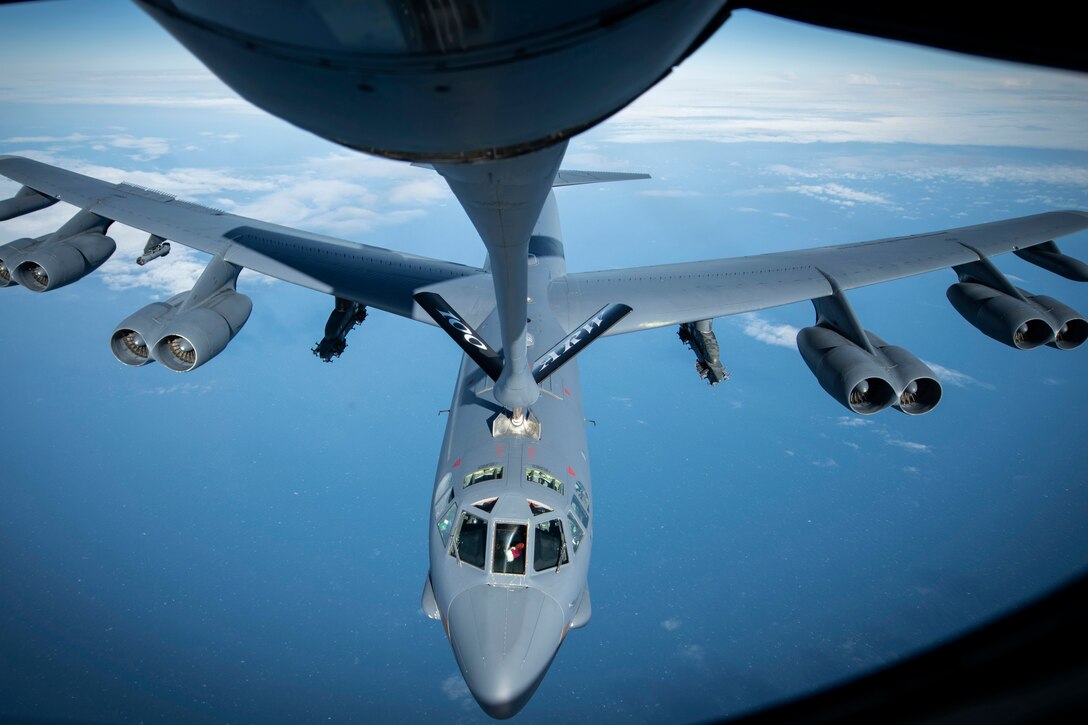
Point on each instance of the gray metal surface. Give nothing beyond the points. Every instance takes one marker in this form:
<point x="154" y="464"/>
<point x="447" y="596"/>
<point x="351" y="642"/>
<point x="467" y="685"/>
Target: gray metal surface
<point x="444" y="81"/>
<point x="669" y="294"/>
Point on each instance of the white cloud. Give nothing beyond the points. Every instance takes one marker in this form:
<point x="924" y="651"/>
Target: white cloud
<point x="826" y="463"/>
<point x="1058" y="174"/>
<point x="180" y="389"/>
<point x="757" y="327"/>
<point x="672" y="624"/>
<point x="174" y="273"/>
<point x="694" y="652"/>
<point x="70" y="138"/>
<point x="331" y="206"/>
<point x="420" y="191"/>
<point x="454" y="688"/>
<point x="851" y="422"/>
<point x="862" y="79"/>
<point x="181" y="181"/>
<point x="149" y="147"/>
<point x="948" y="376"/>
<point x="164" y="101"/>
<point x="840" y="195"/>
<point x="670" y="193"/>
<point x="908" y="445"/>
<point x="1027" y="107"/>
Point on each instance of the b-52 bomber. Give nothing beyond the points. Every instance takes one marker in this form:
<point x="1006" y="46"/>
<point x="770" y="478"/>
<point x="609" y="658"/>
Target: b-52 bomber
<point x="512" y="509"/>
<point x="488" y="95"/>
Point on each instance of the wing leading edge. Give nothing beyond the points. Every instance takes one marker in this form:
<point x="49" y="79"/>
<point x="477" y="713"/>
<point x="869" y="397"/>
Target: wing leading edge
<point x="373" y="276"/>
<point x="671" y="294"/>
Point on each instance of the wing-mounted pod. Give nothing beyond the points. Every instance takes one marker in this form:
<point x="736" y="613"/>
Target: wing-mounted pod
<point x="860" y="370"/>
<point x="1049" y="257"/>
<point x="25" y="201"/>
<point x="189" y="329"/>
<point x="700" y="337"/>
<point x="69" y="254"/>
<point x="346" y="314"/>
<point x="997" y="308"/>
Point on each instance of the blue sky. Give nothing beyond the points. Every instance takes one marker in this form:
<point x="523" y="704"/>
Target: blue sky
<point x="248" y="542"/>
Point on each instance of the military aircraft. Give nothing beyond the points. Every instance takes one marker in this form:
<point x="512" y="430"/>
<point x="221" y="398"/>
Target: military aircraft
<point x="512" y="509"/>
<point x="488" y="96"/>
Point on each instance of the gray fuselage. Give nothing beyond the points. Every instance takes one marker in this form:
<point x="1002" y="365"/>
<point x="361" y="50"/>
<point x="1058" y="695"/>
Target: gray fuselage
<point x="510" y="527"/>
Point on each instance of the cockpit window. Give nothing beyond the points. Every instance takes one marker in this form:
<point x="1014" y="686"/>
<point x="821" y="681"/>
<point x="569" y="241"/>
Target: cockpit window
<point x="487" y="473"/>
<point x="581" y="494"/>
<point x="470" y="541"/>
<point x="443" y="494"/>
<point x="538" y="508"/>
<point x="486" y="505"/>
<point x="509" y="549"/>
<point x="536" y="475"/>
<point x="576" y="532"/>
<point x="549" y="548"/>
<point x="581" y="511"/>
<point x="445" y="522"/>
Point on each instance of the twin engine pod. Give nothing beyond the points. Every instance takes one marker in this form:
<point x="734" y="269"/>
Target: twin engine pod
<point x="45" y="264"/>
<point x="868" y="382"/>
<point x="1023" y="321"/>
<point x="181" y="335"/>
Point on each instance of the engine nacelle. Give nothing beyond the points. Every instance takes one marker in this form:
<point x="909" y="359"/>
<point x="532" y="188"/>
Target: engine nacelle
<point x="1070" y="327"/>
<point x="919" y="390"/>
<point x="129" y="341"/>
<point x="11" y="256"/>
<point x="50" y="264"/>
<point x="849" y="374"/>
<point x="181" y="338"/>
<point x="25" y="201"/>
<point x="865" y="382"/>
<point x="1020" y="323"/>
<point x="198" y="335"/>
<point x="1049" y="257"/>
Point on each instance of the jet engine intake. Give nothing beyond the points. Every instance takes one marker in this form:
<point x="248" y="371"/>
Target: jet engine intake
<point x="129" y="341"/>
<point x="189" y="329"/>
<point x="198" y="335"/>
<point x="1023" y="323"/>
<point x="920" y="391"/>
<point x="1070" y="328"/>
<point x="11" y="255"/>
<point x="868" y="382"/>
<point x="51" y="264"/>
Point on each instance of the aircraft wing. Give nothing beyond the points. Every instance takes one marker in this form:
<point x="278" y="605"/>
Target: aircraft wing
<point x="372" y="276"/>
<point x="671" y="294"/>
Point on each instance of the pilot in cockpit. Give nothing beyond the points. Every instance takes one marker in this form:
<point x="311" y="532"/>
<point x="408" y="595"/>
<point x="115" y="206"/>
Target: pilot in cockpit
<point x="514" y="552"/>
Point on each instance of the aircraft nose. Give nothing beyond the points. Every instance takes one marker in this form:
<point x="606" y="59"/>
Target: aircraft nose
<point x="504" y="639"/>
